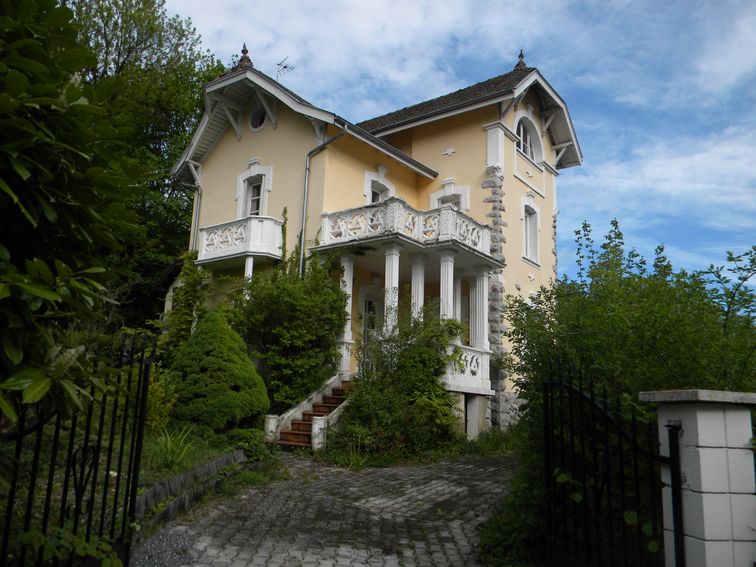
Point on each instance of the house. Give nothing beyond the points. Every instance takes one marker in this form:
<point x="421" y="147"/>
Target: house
<point x="453" y="198"/>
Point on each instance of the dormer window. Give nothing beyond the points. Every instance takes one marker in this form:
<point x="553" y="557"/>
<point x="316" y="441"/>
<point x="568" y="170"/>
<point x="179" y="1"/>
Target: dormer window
<point x="525" y="141"/>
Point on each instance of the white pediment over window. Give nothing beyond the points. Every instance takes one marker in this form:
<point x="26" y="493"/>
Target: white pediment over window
<point x="253" y="186"/>
<point x="450" y="193"/>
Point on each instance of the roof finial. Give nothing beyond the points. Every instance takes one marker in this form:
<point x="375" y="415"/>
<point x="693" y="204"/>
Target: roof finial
<point x="520" y="61"/>
<point x="244" y="61"/>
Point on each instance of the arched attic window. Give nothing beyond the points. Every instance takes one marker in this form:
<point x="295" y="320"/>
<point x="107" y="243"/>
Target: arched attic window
<point x="528" y="141"/>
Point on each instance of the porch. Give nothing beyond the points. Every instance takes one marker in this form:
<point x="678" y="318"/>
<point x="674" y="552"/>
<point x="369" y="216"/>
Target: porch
<point x="388" y="250"/>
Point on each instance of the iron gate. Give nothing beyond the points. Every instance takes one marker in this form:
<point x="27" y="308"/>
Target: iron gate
<point x="72" y="482"/>
<point x="602" y="481"/>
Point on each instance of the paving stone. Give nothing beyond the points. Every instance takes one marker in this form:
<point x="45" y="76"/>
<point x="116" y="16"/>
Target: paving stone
<point x="326" y="516"/>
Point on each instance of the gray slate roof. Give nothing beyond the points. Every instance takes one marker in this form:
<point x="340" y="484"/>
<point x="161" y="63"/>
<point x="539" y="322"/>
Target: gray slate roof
<point x="478" y="92"/>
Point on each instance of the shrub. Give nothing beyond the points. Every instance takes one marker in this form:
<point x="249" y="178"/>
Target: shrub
<point x="216" y="383"/>
<point x="252" y="442"/>
<point x="161" y="399"/>
<point x="291" y="325"/>
<point x="397" y="404"/>
<point x="187" y="308"/>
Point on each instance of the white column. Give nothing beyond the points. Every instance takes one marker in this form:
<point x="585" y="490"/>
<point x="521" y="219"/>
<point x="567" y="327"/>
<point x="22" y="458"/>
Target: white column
<point x="345" y="342"/>
<point x="479" y="311"/>
<point x="249" y="266"/>
<point x="474" y="334"/>
<point x="391" y="286"/>
<point x="418" y="285"/>
<point x="716" y="460"/>
<point x="347" y="266"/>
<point x="458" y="298"/>
<point x="446" y="298"/>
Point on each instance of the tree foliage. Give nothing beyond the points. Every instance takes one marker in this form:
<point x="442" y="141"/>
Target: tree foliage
<point x="187" y="308"/>
<point x="216" y="383"/>
<point x="398" y="405"/>
<point x="160" y="68"/>
<point x="291" y="325"/>
<point x="61" y="199"/>
<point x="637" y="328"/>
<point x="629" y="327"/>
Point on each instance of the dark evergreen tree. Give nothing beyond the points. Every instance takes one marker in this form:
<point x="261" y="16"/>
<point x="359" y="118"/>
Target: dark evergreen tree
<point x="216" y="383"/>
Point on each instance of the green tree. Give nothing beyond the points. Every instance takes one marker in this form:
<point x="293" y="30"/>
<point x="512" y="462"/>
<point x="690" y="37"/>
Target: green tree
<point x="630" y="328"/>
<point x="61" y="196"/>
<point x="160" y="68"/>
<point x="291" y="325"/>
<point x="216" y="383"/>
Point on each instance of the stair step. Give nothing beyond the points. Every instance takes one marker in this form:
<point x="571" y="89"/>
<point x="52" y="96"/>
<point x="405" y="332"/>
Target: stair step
<point x="341" y="392"/>
<point x="292" y="444"/>
<point x="301" y="425"/>
<point x="296" y="436"/>
<point x="337" y="400"/>
<point x="308" y="415"/>
<point x="324" y="408"/>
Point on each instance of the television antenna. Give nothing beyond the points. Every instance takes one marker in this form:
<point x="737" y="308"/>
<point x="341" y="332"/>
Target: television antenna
<point x="283" y="67"/>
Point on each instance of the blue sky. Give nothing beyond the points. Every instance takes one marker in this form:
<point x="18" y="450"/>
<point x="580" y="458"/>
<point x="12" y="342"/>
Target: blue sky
<point x="662" y="94"/>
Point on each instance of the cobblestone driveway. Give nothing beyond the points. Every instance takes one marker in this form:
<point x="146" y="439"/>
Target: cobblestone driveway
<point x="328" y="516"/>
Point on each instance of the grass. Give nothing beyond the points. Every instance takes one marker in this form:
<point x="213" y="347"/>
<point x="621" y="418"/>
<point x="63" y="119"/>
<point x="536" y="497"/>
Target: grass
<point x="169" y="452"/>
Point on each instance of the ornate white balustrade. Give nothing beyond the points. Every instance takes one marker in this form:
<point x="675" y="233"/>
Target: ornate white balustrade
<point x="256" y="236"/>
<point x="394" y="216"/>
<point x="470" y="371"/>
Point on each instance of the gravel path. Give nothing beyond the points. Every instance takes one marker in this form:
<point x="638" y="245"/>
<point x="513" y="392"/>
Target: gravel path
<point x="424" y="515"/>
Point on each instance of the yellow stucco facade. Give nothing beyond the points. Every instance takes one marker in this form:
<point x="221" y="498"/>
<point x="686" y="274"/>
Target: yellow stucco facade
<point x="445" y="202"/>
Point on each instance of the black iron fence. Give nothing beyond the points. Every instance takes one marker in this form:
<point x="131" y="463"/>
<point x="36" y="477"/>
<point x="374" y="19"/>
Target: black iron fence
<point x="602" y="480"/>
<point x="72" y="481"/>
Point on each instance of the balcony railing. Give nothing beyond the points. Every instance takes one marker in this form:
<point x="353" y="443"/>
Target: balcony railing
<point x="470" y="372"/>
<point x="394" y="216"/>
<point x="251" y="236"/>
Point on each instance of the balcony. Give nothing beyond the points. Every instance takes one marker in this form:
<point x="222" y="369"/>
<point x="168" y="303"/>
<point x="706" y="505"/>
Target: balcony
<point x="251" y="236"/>
<point x="395" y="217"/>
<point x="470" y="373"/>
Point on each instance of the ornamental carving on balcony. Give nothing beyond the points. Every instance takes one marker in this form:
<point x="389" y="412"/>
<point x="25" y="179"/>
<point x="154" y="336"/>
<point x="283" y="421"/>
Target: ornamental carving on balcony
<point x="358" y="224"/>
<point x="430" y="226"/>
<point x="410" y="223"/>
<point x="470" y="363"/>
<point x="226" y="237"/>
<point x="467" y="232"/>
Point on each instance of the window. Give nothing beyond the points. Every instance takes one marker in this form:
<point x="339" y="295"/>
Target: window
<point x="530" y="221"/>
<point x="254" y="197"/>
<point x="525" y="141"/>
<point x="378" y="192"/>
<point x="257" y="118"/>
<point x="450" y="200"/>
<point x="377" y="188"/>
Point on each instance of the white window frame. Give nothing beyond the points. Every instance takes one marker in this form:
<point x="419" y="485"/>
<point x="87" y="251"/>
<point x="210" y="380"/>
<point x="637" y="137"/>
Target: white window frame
<point x="449" y="192"/>
<point x="255" y="173"/>
<point x="531" y="230"/>
<point x="526" y="119"/>
<point x="377" y="181"/>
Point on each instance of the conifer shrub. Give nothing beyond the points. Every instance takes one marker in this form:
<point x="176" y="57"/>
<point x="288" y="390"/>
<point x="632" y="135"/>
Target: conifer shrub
<point x="216" y="383"/>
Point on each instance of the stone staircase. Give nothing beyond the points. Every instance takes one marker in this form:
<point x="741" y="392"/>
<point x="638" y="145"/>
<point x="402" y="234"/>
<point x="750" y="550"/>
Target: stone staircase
<point x="299" y="435"/>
